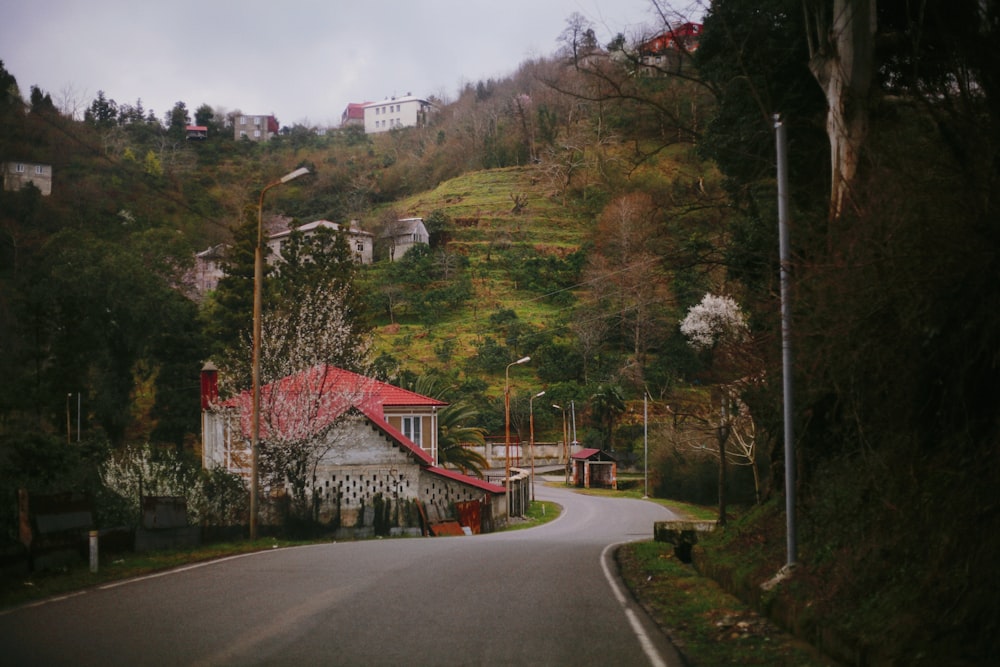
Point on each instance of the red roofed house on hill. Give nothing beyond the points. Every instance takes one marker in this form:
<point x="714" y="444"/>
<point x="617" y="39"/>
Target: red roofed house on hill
<point x="354" y="114"/>
<point x="369" y="446"/>
<point x="667" y="51"/>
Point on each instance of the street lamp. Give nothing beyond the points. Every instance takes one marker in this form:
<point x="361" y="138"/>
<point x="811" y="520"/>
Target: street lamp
<point x="565" y="435"/>
<point x="258" y="282"/>
<point x="565" y="440"/>
<point x="506" y="408"/>
<point x="531" y="441"/>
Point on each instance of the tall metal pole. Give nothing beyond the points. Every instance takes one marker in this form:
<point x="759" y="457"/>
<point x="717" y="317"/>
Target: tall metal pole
<point x="506" y="439"/>
<point x="572" y="410"/>
<point x="258" y="284"/>
<point x="645" y="445"/>
<point x="531" y="440"/>
<point x="786" y="340"/>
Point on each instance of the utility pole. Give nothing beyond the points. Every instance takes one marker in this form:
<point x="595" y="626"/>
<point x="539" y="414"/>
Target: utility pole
<point x="786" y="340"/>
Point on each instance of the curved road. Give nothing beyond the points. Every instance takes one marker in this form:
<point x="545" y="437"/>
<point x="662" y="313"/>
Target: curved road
<point x="542" y="596"/>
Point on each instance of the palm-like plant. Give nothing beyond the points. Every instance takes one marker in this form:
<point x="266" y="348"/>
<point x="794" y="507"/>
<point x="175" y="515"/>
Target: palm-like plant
<point x="454" y="435"/>
<point x="454" y="430"/>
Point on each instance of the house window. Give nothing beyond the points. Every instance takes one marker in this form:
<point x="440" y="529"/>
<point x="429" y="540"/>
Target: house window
<point x="256" y="133"/>
<point x="411" y="429"/>
<point x="243" y="120"/>
<point x="256" y="120"/>
<point x="360" y="246"/>
<point x="19" y="168"/>
<point x="39" y="169"/>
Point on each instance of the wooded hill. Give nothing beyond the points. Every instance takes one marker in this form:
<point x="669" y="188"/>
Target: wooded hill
<point x="579" y="212"/>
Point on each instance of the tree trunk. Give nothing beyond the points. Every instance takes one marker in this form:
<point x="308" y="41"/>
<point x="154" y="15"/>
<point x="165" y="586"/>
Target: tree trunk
<point x="841" y="58"/>
<point x="722" y="436"/>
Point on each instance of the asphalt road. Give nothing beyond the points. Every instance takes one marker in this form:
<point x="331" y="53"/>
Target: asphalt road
<point x="542" y="596"/>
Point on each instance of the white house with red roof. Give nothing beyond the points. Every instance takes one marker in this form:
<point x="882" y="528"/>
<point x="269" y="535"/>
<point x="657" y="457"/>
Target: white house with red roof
<point x="372" y="445"/>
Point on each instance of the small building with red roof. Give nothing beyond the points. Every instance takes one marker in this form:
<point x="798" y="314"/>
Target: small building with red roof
<point x="594" y="469"/>
<point x="371" y="447"/>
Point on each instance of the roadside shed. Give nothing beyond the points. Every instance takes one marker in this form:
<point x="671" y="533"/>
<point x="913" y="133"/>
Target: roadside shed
<point x="594" y="468"/>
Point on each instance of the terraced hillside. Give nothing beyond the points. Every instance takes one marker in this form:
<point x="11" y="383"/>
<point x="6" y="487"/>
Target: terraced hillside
<point x="487" y="229"/>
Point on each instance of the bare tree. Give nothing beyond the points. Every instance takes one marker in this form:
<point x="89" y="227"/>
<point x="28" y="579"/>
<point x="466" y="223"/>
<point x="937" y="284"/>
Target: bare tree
<point x="626" y="274"/>
<point x="841" y="57"/>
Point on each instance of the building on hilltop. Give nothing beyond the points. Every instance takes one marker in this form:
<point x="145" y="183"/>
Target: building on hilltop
<point x="666" y="51"/>
<point x="354" y="114"/>
<point x="17" y="175"/>
<point x="360" y="241"/>
<point x="255" y="128"/>
<point x="403" y="234"/>
<point x="396" y="112"/>
<point x="208" y="268"/>
<point x="196" y="132"/>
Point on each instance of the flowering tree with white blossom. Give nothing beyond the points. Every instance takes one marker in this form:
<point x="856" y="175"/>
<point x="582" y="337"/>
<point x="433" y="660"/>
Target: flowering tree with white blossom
<point x="717" y="324"/>
<point x="310" y="336"/>
<point x="713" y="321"/>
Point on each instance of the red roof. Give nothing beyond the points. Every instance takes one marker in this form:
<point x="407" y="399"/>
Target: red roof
<point x="355" y="111"/>
<point x="305" y="403"/>
<point x="684" y="38"/>
<point x="467" y="479"/>
<point x="584" y="454"/>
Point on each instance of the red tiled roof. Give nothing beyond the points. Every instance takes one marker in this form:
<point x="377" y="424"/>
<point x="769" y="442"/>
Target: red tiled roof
<point x="313" y="399"/>
<point x="466" y="479"/>
<point x="356" y="110"/>
<point x="586" y="453"/>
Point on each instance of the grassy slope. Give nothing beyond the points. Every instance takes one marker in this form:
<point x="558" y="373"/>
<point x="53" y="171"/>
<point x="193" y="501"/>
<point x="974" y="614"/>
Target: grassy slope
<point x="480" y="206"/>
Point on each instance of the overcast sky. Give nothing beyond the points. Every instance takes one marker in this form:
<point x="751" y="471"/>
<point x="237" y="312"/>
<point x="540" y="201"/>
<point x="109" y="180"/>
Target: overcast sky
<point x="303" y="61"/>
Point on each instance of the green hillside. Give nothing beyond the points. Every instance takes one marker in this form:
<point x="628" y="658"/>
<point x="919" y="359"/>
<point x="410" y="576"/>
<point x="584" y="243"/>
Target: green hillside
<point x="648" y="195"/>
<point x="485" y="230"/>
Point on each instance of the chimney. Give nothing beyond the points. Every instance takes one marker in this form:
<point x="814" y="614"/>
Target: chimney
<point x="209" y="385"/>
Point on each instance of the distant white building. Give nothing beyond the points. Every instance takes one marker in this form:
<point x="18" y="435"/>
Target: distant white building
<point x="360" y="241"/>
<point x="403" y="235"/>
<point x="396" y="112"/>
<point x="208" y="268"/>
<point x="17" y="175"/>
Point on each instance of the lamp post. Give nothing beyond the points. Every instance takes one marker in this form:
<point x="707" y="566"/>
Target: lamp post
<point x="565" y="435"/>
<point x="531" y="441"/>
<point x="258" y="284"/>
<point x="506" y="408"/>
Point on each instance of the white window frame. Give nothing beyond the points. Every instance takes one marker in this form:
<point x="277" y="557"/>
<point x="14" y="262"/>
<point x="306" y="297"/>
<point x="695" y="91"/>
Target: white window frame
<point x="410" y="426"/>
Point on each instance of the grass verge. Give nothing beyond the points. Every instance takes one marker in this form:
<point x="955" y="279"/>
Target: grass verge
<point x="706" y="624"/>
